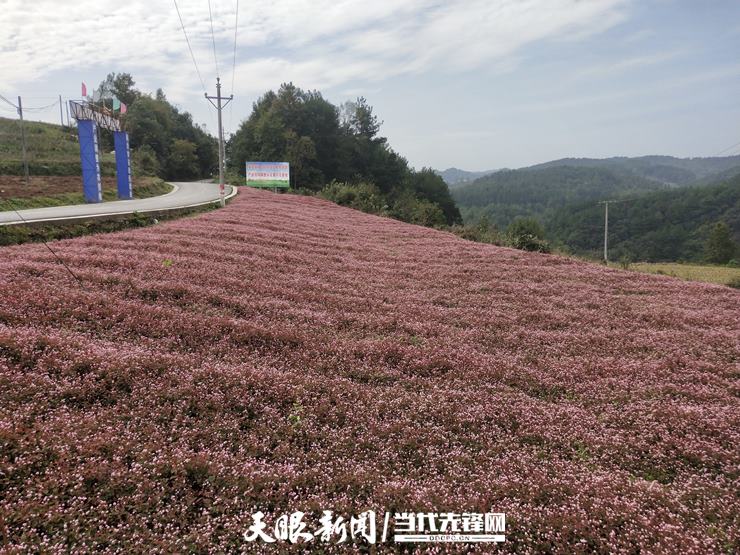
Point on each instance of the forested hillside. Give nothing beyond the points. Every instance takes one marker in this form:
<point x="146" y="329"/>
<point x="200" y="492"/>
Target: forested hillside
<point x="507" y="195"/>
<point x="666" y="225"/>
<point x="666" y="169"/>
<point x="165" y="140"/>
<point x="337" y="151"/>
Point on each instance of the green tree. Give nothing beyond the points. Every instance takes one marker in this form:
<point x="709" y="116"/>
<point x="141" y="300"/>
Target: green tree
<point x="156" y="124"/>
<point x="327" y="144"/>
<point x="720" y="248"/>
<point x="299" y="152"/>
<point x="120" y="85"/>
<point x="430" y="186"/>
<point x="182" y="162"/>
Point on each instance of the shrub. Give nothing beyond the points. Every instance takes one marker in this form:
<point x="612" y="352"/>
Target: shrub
<point x="145" y="161"/>
<point x="527" y="234"/>
<point x="427" y="214"/>
<point x="477" y="234"/>
<point x="361" y="196"/>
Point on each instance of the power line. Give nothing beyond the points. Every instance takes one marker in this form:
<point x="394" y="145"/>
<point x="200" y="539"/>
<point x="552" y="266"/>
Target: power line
<point x="8" y="101"/>
<point x="728" y="148"/>
<point x="41" y="108"/>
<point x="30" y="109"/>
<point x="187" y="40"/>
<point x="192" y="56"/>
<point x="236" y="29"/>
<point x="213" y="38"/>
<point x="59" y="259"/>
<point x="233" y="63"/>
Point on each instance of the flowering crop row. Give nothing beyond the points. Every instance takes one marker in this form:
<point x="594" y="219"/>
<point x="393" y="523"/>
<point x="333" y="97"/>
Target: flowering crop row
<point x="286" y="354"/>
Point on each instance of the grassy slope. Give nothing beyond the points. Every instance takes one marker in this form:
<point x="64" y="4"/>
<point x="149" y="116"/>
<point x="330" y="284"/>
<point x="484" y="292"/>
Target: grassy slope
<point x="287" y="354"/>
<point x="45" y="141"/>
<point x="51" y="149"/>
<point x="693" y="272"/>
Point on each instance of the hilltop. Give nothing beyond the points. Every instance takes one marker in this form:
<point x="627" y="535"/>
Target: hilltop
<point x="455" y="177"/>
<point x="665" y="169"/>
<point x="287" y="354"/>
<point x="506" y="195"/>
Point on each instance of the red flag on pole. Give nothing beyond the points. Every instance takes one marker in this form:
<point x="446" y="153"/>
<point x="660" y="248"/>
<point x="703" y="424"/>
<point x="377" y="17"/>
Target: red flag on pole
<point x="124" y="109"/>
<point x="84" y="90"/>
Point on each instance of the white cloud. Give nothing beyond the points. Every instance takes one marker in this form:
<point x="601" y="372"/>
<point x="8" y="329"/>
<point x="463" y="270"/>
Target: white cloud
<point x="321" y="43"/>
<point x="632" y="63"/>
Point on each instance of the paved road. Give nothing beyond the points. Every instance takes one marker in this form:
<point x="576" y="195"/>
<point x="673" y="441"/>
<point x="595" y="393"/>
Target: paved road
<point x="183" y="196"/>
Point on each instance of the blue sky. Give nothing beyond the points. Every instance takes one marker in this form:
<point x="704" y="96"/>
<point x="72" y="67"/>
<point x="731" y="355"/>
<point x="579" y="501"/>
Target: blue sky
<point x="476" y="84"/>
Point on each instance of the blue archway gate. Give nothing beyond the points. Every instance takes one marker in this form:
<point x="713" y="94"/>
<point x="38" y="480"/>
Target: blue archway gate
<point x="89" y="117"/>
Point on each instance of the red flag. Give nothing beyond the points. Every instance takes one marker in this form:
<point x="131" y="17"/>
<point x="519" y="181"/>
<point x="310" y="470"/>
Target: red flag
<point x="124" y="109"/>
<point x="84" y="90"/>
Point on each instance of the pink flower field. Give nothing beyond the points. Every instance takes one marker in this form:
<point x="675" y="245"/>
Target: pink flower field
<point x="285" y="354"/>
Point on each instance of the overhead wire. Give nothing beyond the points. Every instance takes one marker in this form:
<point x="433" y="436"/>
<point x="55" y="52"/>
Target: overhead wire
<point x="190" y="48"/>
<point x="733" y="147"/>
<point x="8" y="101"/>
<point x="192" y="57"/>
<point x="40" y="108"/>
<point x="213" y="39"/>
<point x="233" y="63"/>
<point x="59" y="258"/>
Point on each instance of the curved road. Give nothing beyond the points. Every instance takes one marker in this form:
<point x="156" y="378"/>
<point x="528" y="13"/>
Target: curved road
<point x="184" y="195"/>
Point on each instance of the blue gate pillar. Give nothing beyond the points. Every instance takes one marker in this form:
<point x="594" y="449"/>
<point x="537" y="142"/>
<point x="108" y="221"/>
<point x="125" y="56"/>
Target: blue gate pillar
<point x="123" y="165"/>
<point x="91" y="184"/>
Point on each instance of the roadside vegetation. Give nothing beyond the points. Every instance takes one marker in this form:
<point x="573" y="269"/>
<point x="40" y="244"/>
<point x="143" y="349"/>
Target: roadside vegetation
<point x="57" y="191"/>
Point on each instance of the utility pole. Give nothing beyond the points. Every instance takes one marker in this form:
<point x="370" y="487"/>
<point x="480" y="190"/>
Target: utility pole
<point x="23" y="140"/>
<point x="61" y="111"/>
<point x="606" y="204"/>
<point x="606" y="233"/>
<point x="221" y="152"/>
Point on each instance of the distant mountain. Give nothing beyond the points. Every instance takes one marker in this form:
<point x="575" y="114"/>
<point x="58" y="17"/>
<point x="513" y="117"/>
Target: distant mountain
<point x="665" y="225"/>
<point x="506" y="195"/>
<point x="672" y="202"/>
<point x="666" y="169"/>
<point x="455" y="177"/>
